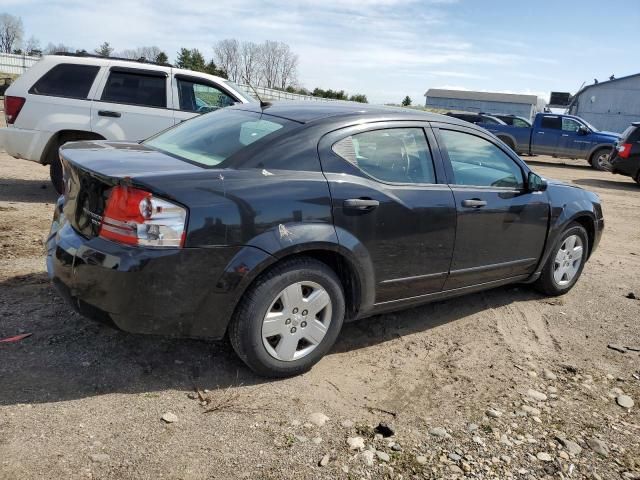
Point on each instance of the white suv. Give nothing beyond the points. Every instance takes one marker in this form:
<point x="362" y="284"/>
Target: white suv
<point x="65" y="98"/>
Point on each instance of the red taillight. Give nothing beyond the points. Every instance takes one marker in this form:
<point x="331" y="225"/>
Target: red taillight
<point x="624" y="150"/>
<point x="135" y="217"/>
<point x="12" y="107"/>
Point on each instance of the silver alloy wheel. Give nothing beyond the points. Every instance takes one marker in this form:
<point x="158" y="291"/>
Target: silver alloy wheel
<point x="603" y="160"/>
<point x="568" y="260"/>
<point x="297" y="321"/>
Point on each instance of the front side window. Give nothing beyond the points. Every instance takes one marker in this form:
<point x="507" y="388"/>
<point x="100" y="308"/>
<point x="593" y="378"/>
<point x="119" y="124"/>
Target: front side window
<point x="397" y="155"/>
<point x="554" y="123"/>
<point x="569" y="125"/>
<point x="134" y="88"/>
<point x="66" y="80"/>
<point x="201" y="98"/>
<point x="210" y="139"/>
<point x="478" y="162"/>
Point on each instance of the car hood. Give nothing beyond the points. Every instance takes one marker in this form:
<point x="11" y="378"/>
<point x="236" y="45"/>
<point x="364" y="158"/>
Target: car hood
<point x="611" y="135"/>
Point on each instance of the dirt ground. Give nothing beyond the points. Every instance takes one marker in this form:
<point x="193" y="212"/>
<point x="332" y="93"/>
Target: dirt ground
<point x="499" y="384"/>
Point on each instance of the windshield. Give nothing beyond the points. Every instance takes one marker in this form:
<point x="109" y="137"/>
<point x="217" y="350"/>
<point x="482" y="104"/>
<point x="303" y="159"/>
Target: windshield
<point x="210" y="139"/>
<point x="242" y="91"/>
<point x="591" y="127"/>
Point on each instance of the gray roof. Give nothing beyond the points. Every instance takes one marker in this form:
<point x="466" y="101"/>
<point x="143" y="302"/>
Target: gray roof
<point x="482" y="96"/>
<point x="606" y="82"/>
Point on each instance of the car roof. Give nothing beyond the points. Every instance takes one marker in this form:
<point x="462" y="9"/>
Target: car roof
<point x="309" y="111"/>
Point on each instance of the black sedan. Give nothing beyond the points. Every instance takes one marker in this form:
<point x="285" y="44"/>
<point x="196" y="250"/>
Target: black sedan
<point x="274" y="224"/>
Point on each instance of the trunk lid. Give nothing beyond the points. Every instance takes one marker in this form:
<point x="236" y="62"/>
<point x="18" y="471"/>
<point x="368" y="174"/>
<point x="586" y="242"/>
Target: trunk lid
<point x="91" y="169"/>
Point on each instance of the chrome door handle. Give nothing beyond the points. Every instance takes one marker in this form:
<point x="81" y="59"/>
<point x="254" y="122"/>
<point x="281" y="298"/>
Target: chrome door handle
<point x="474" y="203"/>
<point x="565" y="134"/>
<point x="361" y="203"/>
<point x="540" y="133"/>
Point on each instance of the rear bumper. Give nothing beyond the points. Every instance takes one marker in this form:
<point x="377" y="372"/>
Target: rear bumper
<point x="626" y="166"/>
<point x="189" y="292"/>
<point x="25" y="144"/>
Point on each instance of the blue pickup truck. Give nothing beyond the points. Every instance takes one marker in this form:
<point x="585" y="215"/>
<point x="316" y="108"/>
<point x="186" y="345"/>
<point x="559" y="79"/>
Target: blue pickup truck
<point x="560" y="136"/>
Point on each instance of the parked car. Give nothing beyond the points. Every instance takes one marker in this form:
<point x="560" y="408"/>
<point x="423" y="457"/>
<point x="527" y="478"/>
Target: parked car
<point x="274" y="225"/>
<point x="65" y="98"/>
<point x="560" y="136"/>
<point x="625" y="156"/>
<point x="513" y="120"/>
<point x="477" y="118"/>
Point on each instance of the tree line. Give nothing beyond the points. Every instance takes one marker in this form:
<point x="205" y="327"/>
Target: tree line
<point x="268" y="64"/>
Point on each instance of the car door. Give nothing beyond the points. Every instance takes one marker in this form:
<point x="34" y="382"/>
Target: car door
<point x="501" y="226"/>
<point x="546" y="135"/>
<point x="573" y="144"/>
<point x="389" y="195"/>
<point x="132" y="104"/>
<point x="194" y="96"/>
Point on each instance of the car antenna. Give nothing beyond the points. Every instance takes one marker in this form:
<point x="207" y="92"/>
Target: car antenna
<point x="263" y="104"/>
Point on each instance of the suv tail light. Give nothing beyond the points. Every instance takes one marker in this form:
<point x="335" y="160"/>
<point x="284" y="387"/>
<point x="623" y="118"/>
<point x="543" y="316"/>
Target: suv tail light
<point x="135" y="217"/>
<point x="12" y="107"/>
<point x="624" y="150"/>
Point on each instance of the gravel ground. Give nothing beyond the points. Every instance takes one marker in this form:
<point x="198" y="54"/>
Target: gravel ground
<point x="499" y="384"/>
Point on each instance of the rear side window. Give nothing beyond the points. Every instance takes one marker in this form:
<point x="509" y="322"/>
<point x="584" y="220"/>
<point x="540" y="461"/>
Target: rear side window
<point x="66" y="80"/>
<point x="397" y="155"/>
<point x="631" y="134"/>
<point x="554" y="123"/>
<point x="135" y="88"/>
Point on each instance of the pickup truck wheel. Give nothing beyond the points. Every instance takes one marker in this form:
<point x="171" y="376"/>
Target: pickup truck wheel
<point x="600" y="159"/>
<point x="565" y="264"/>
<point x="289" y="319"/>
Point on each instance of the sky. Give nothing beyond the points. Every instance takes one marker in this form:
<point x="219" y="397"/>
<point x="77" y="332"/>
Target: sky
<point x="385" y="49"/>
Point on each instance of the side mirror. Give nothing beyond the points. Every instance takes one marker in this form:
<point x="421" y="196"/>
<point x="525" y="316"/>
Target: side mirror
<point x="582" y="130"/>
<point x="535" y="183"/>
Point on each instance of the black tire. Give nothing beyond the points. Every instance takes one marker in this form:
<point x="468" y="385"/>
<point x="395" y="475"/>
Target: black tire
<point x="547" y="283"/>
<point x="245" y="329"/>
<point x="508" y="142"/>
<point x="55" y="173"/>
<point x="596" y="159"/>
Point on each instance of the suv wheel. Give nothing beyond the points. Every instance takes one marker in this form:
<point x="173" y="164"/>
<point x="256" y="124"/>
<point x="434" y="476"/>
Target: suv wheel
<point x="289" y="319"/>
<point x="565" y="264"/>
<point x="600" y="159"/>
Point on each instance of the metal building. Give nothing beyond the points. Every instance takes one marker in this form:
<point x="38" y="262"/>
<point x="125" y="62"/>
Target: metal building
<point x="610" y="105"/>
<point x="508" y="103"/>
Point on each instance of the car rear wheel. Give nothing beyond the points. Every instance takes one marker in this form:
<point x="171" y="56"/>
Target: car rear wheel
<point x="289" y="319"/>
<point x="600" y="159"/>
<point x="565" y="264"/>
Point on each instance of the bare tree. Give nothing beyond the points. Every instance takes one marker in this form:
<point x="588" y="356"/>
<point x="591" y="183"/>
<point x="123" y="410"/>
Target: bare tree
<point x="11" y="32"/>
<point x="250" y="63"/>
<point x="32" y="46"/>
<point x="270" y="61"/>
<point x="52" y="48"/>
<point x="148" y="53"/>
<point x="288" y="68"/>
<point x="227" y="56"/>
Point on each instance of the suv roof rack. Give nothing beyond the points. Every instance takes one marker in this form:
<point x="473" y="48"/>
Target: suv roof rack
<point x="91" y="55"/>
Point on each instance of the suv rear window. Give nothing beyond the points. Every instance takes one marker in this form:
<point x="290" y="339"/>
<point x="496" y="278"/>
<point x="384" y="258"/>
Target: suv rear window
<point x="66" y="80"/>
<point x="136" y="88"/>
<point x="631" y="134"/>
<point x="210" y="139"/>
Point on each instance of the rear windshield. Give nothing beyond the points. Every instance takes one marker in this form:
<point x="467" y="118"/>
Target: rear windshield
<point x="210" y="139"/>
<point x="628" y="134"/>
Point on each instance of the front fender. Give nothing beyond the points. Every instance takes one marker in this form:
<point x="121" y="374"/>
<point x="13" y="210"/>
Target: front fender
<point x="562" y="215"/>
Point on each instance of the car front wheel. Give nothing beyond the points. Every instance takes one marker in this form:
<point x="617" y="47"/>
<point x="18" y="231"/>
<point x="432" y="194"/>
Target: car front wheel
<point x="289" y="319"/>
<point x="565" y="264"/>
